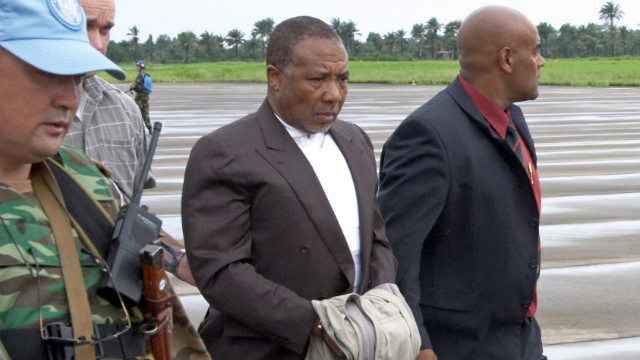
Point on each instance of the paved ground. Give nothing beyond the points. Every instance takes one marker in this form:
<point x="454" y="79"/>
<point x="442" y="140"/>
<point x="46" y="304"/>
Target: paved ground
<point x="588" y="144"/>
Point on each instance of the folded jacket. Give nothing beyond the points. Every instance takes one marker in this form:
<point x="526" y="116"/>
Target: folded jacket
<point x="377" y="325"/>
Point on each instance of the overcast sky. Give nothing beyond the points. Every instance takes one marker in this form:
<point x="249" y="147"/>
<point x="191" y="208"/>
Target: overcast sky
<point x="170" y="17"/>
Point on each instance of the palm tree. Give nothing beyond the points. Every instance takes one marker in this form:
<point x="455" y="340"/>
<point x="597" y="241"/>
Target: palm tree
<point x="418" y="34"/>
<point x="262" y="29"/>
<point x="545" y="30"/>
<point x="611" y="12"/>
<point x="134" y="32"/>
<point x="346" y="30"/>
<point x="451" y="36"/>
<point x="149" y="48"/>
<point x="163" y="46"/>
<point x="206" y="42"/>
<point x="349" y="32"/>
<point x="390" y="40"/>
<point x="624" y="31"/>
<point x="187" y="40"/>
<point x="568" y="40"/>
<point x="588" y="38"/>
<point x="400" y="38"/>
<point x="235" y="38"/>
<point x="433" y="26"/>
<point x="336" y="25"/>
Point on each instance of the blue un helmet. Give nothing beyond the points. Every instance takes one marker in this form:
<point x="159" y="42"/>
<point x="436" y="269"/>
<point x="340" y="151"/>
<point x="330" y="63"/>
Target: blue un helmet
<point x="51" y="35"/>
<point x="142" y="64"/>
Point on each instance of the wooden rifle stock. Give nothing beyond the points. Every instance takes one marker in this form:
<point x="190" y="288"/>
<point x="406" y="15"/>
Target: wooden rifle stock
<point x="158" y="301"/>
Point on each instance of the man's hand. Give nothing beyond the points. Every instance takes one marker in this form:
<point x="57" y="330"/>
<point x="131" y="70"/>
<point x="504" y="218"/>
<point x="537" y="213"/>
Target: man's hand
<point x="427" y="354"/>
<point x="318" y="330"/>
<point x="183" y="271"/>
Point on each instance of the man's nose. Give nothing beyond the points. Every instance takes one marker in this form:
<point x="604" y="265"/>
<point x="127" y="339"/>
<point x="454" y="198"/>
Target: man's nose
<point x="333" y="92"/>
<point x="69" y="89"/>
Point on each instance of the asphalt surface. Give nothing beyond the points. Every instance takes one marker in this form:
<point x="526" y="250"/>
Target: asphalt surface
<point x="588" y="146"/>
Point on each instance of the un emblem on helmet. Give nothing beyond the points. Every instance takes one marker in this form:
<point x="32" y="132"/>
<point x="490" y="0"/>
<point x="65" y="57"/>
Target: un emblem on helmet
<point x="67" y="12"/>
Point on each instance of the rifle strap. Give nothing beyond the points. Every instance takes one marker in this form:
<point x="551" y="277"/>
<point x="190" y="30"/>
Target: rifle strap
<point x="50" y="197"/>
<point x="89" y="218"/>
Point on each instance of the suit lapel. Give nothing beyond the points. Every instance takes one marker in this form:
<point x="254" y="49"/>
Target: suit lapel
<point x="463" y="100"/>
<point x="287" y="158"/>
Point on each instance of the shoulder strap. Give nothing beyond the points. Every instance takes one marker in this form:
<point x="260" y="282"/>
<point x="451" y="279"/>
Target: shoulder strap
<point x="48" y="194"/>
<point x="85" y="211"/>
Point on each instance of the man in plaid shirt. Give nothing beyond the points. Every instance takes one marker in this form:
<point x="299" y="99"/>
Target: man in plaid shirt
<point x="108" y="125"/>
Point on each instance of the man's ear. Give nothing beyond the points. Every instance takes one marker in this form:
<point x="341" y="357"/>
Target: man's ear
<point x="273" y="77"/>
<point x="505" y="59"/>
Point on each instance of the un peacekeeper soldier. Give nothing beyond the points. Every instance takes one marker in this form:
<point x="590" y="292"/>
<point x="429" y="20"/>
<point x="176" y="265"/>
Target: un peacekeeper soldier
<point x="142" y="87"/>
<point x="49" y="265"/>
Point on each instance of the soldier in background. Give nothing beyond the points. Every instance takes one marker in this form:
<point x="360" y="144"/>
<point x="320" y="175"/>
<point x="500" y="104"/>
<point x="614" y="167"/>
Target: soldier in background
<point x="143" y="86"/>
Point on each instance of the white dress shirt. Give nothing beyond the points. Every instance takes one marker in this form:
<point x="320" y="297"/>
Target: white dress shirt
<point x="335" y="177"/>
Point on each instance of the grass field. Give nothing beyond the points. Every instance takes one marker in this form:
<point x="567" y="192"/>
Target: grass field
<point x="569" y="72"/>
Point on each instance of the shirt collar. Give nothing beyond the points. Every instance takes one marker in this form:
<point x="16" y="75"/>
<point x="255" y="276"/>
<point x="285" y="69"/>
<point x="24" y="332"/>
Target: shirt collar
<point x="84" y="96"/>
<point x="497" y="118"/>
<point x="303" y="139"/>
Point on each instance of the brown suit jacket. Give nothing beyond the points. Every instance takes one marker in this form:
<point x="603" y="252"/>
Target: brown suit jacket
<point x="262" y="238"/>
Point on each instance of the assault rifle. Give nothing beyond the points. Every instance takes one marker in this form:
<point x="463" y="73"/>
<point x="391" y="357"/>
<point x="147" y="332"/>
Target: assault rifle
<point x="158" y="301"/>
<point x="135" y="227"/>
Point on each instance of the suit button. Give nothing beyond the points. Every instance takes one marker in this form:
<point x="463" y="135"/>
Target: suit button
<point x="526" y="304"/>
<point x="533" y="264"/>
<point x="304" y="249"/>
<point x="533" y="222"/>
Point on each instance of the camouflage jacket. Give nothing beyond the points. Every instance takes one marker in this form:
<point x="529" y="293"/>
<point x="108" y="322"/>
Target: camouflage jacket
<point x="28" y="250"/>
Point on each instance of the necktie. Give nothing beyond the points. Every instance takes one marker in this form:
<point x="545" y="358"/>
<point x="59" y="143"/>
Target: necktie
<point x="513" y="139"/>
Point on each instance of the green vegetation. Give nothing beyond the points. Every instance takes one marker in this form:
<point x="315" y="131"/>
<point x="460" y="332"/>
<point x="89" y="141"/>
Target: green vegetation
<point x="427" y="72"/>
<point x="431" y="40"/>
<point x="624" y="71"/>
<point x="592" y="72"/>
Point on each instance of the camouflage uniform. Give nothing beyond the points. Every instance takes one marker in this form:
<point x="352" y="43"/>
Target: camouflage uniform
<point x="27" y="247"/>
<point x="142" y="98"/>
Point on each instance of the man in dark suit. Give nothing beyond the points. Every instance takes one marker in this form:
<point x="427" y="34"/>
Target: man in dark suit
<point x="279" y="208"/>
<point x="460" y="195"/>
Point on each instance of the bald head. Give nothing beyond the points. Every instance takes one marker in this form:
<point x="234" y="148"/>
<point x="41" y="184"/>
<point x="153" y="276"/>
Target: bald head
<point x="485" y="32"/>
<point x="497" y="45"/>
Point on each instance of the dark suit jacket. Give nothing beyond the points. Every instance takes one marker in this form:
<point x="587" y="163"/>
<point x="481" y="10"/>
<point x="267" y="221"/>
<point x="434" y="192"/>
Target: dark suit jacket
<point x="462" y="219"/>
<point x="262" y="238"/>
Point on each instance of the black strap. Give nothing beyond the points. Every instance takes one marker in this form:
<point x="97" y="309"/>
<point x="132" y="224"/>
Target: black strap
<point x="28" y="344"/>
<point x="23" y="343"/>
<point x="83" y="209"/>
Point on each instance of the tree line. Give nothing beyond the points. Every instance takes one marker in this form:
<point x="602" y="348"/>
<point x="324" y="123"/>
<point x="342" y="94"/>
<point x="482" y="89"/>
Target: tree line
<point x="431" y="40"/>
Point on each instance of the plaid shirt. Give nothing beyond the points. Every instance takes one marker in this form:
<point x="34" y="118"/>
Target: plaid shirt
<point x="111" y="131"/>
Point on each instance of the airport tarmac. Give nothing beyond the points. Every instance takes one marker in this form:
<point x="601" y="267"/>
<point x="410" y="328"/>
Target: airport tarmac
<point x="588" y="146"/>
